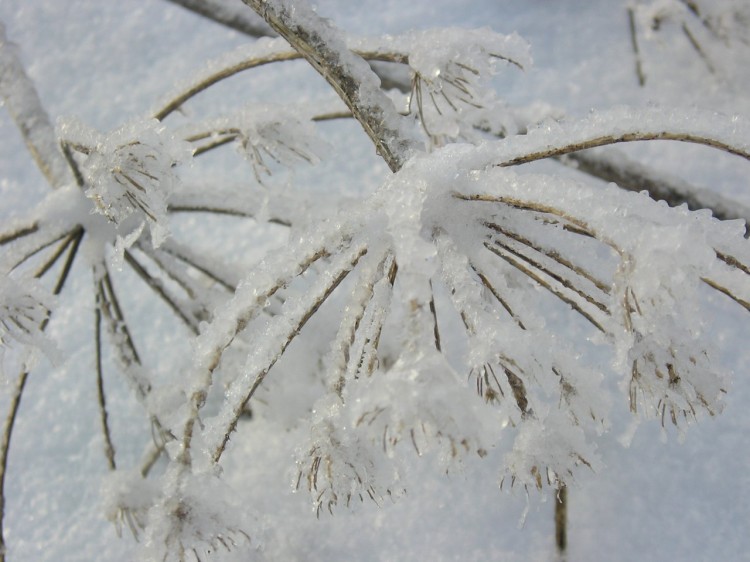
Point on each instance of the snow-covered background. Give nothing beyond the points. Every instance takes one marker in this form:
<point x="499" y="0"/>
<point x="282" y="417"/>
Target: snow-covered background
<point x="658" y="499"/>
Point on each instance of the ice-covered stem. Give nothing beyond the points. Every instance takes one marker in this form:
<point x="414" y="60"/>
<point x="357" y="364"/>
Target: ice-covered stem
<point x="15" y="402"/>
<point x="324" y="47"/>
<point x="25" y="108"/>
<point x="156" y="285"/>
<point x="630" y="136"/>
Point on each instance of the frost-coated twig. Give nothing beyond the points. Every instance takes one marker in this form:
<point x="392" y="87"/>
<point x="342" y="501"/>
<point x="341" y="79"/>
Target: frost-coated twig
<point x="349" y="75"/>
<point x="199" y="263"/>
<point x="120" y="333"/>
<point x="162" y="292"/>
<point x="228" y="323"/>
<point x="550" y="254"/>
<point x="340" y="354"/>
<point x="363" y="352"/>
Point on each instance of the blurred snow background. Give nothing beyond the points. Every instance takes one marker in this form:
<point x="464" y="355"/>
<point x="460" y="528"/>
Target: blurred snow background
<point x="659" y="499"/>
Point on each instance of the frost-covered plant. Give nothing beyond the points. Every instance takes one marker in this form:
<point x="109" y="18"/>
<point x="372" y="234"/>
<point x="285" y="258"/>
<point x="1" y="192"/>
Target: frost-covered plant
<point x="445" y="287"/>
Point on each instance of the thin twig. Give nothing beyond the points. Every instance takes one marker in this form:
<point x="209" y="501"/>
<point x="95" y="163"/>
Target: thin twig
<point x="698" y="49"/>
<point x="56" y="237"/>
<point x="19" y="232"/>
<point x="625" y="137"/>
<point x="73" y="236"/>
<point x="160" y="290"/>
<point x="341" y="354"/>
<point x="636" y="50"/>
<point x="205" y="268"/>
<point x="486" y="282"/>
<point x="176" y="102"/>
<point x="8" y="426"/>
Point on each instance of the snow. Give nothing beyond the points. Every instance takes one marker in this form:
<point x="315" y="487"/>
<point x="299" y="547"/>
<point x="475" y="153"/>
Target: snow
<point x="637" y="503"/>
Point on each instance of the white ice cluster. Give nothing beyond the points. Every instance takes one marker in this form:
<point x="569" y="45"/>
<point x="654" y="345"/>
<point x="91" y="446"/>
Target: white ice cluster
<point x="129" y="174"/>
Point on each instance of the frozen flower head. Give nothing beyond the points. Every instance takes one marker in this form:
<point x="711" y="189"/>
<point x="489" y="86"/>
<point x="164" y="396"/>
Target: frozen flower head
<point x="129" y="174"/>
<point x="23" y="309"/>
<point x="200" y="518"/>
<point x="274" y="133"/>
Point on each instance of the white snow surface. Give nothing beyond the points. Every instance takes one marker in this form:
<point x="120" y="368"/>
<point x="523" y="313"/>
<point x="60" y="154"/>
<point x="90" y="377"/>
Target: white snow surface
<point x="653" y="495"/>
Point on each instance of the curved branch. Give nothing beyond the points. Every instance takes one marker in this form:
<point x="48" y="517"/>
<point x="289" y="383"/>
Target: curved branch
<point x="628" y="137"/>
<point x="283" y="54"/>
